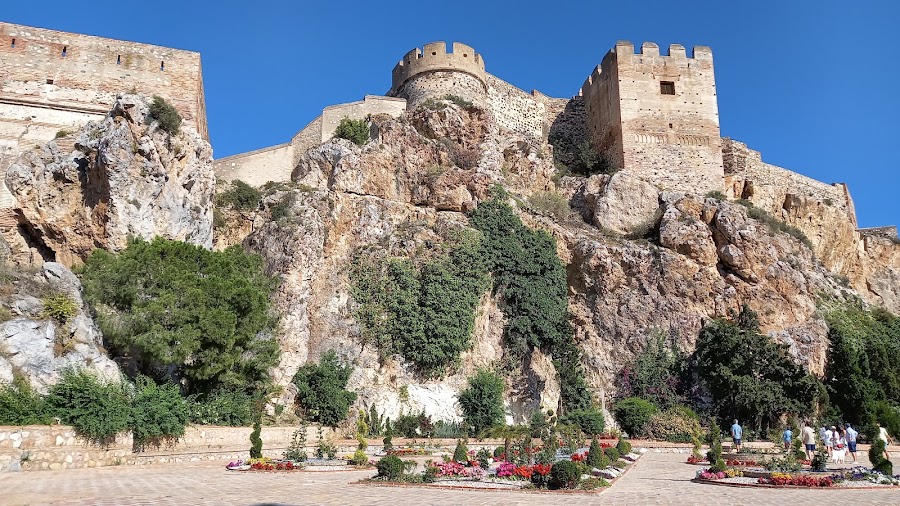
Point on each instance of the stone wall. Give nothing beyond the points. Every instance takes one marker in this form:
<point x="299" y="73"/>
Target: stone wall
<point x="54" y="81"/>
<point x="516" y="110"/>
<point x="889" y="232"/>
<point x="440" y="83"/>
<point x="368" y="106"/>
<point x="744" y="164"/>
<point x="434" y="57"/>
<point x="257" y="167"/>
<point x="669" y="139"/>
<point x="41" y="447"/>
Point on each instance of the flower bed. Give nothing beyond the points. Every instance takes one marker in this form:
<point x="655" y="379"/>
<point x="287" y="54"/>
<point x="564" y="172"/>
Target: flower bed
<point x="797" y="480"/>
<point x="858" y="477"/>
<point x="264" y="464"/>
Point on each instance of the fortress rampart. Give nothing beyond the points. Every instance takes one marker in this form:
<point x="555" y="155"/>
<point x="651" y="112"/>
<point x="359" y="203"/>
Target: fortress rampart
<point x="657" y="115"/>
<point x="56" y="80"/>
<point x="434" y="57"/>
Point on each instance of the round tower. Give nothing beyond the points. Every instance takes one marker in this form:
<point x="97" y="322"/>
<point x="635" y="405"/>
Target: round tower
<point x="433" y="72"/>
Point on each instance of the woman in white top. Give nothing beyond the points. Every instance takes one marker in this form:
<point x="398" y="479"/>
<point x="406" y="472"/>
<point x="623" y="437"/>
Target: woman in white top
<point x="828" y="439"/>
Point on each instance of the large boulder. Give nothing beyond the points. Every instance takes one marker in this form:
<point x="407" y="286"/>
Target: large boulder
<point x="125" y="177"/>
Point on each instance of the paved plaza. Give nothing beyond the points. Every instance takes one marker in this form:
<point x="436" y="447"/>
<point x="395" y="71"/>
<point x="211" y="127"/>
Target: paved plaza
<point x="658" y="478"/>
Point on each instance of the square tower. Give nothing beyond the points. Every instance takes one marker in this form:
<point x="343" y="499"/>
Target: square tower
<point x="657" y="116"/>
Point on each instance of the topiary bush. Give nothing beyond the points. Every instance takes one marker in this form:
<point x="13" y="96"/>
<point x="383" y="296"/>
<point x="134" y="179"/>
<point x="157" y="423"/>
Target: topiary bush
<point x="595" y="454"/>
<point x="624" y="446"/>
<point x="461" y="452"/>
<point x="633" y="414"/>
<point x="359" y="458"/>
<point x="255" y="440"/>
<point x="876" y="457"/>
<point x="564" y="474"/>
<point x="96" y="409"/>
<point x="482" y="401"/>
<point x="166" y="115"/>
<point x="612" y="454"/>
<point x="390" y="468"/>
<point x="354" y="130"/>
<point x="676" y="425"/>
<point x="159" y="413"/>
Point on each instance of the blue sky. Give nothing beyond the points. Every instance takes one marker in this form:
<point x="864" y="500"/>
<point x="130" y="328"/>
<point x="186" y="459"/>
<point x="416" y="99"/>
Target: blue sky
<point x="813" y="85"/>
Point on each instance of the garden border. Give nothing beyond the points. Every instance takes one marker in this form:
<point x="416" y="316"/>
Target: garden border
<point x="485" y="489"/>
<point x="790" y="487"/>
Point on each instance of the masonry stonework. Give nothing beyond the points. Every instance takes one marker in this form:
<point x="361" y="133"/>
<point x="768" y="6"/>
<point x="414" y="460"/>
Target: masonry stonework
<point x="54" y="81"/>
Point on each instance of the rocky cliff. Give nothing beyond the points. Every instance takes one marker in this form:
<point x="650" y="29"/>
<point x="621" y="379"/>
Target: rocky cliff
<point x="116" y="178"/>
<point x="37" y="346"/>
<point x="640" y="262"/>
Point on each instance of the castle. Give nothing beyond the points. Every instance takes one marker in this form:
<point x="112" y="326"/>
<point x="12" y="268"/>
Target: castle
<point x="651" y="114"/>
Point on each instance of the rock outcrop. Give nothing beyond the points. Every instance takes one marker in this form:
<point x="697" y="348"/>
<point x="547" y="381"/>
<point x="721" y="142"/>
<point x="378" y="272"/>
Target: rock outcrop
<point x="116" y="178"/>
<point x="641" y="263"/>
<point x="38" y="347"/>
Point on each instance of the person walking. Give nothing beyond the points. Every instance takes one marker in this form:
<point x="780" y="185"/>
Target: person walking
<point x="786" y="436"/>
<point x="808" y="436"/>
<point x="883" y="435"/>
<point x="736" y="433"/>
<point x="851" y="441"/>
<point x="828" y="439"/>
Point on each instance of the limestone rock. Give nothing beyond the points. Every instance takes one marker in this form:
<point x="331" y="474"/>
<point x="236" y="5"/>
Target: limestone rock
<point x="124" y="178"/>
<point x="625" y="205"/>
<point x="41" y="348"/>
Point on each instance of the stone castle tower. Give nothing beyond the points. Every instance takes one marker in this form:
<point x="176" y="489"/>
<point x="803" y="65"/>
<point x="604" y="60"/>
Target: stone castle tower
<point x="657" y="115"/>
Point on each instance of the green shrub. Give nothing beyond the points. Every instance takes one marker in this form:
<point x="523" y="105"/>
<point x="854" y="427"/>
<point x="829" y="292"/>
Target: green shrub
<point x="464" y="158"/>
<point x="240" y="196"/>
<point x="718" y="466"/>
<point x="716" y="194"/>
<point x="296" y="451"/>
<point x="593" y="483"/>
<point x="159" y="413"/>
<point x="390" y="468"/>
<point x="166" y="115"/>
<point x="321" y="390"/>
<point x="498" y="451"/>
<point x="676" y="425"/>
<point x="775" y="225"/>
<point x="590" y="421"/>
<point x="354" y="130"/>
<point x="595" y="454"/>
<point x="482" y="401"/>
<point x="612" y="453"/>
<point x="624" y="446"/>
<point x="461" y="452"/>
<point x="97" y="410"/>
<point x="281" y="209"/>
<point x="550" y="204"/>
<point x="21" y="405"/>
<point x="633" y="414"/>
<point x="62" y="133"/>
<point x="204" y="316"/>
<point x="414" y="425"/>
<point x="359" y="458"/>
<point x="230" y="407"/>
<point x="876" y="457"/>
<point x="564" y="474"/>
<point x="655" y="373"/>
<point x="256" y="440"/>
<point x="59" y="306"/>
<point x="459" y="101"/>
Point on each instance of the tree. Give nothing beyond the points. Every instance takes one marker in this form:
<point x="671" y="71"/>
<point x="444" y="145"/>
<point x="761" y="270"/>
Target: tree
<point x="321" y="390"/>
<point x="750" y="377"/>
<point x="653" y="375"/>
<point x="482" y="401"/>
<point x="354" y="130"/>
<point x="179" y="311"/>
<point x="633" y="414"/>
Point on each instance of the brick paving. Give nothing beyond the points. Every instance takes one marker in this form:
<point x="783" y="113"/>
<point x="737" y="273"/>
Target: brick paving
<point x="658" y="478"/>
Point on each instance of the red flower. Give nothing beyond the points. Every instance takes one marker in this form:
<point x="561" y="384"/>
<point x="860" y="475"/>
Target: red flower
<point x="542" y="469"/>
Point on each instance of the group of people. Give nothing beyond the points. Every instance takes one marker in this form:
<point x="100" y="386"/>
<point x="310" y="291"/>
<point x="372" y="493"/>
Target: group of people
<point x="838" y="437"/>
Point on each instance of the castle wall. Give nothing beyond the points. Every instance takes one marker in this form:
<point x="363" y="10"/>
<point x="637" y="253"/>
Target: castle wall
<point x="671" y="140"/>
<point x="440" y="83"/>
<point x="369" y="106"/>
<point x="434" y="57"/>
<point x="55" y="81"/>
<point x="744" y="164"/>
<point x="516" y="110"/>
<point x="258" y="167"/>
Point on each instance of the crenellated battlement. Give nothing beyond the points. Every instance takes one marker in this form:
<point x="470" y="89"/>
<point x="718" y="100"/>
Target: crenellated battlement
<point x="434" y="57"/>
